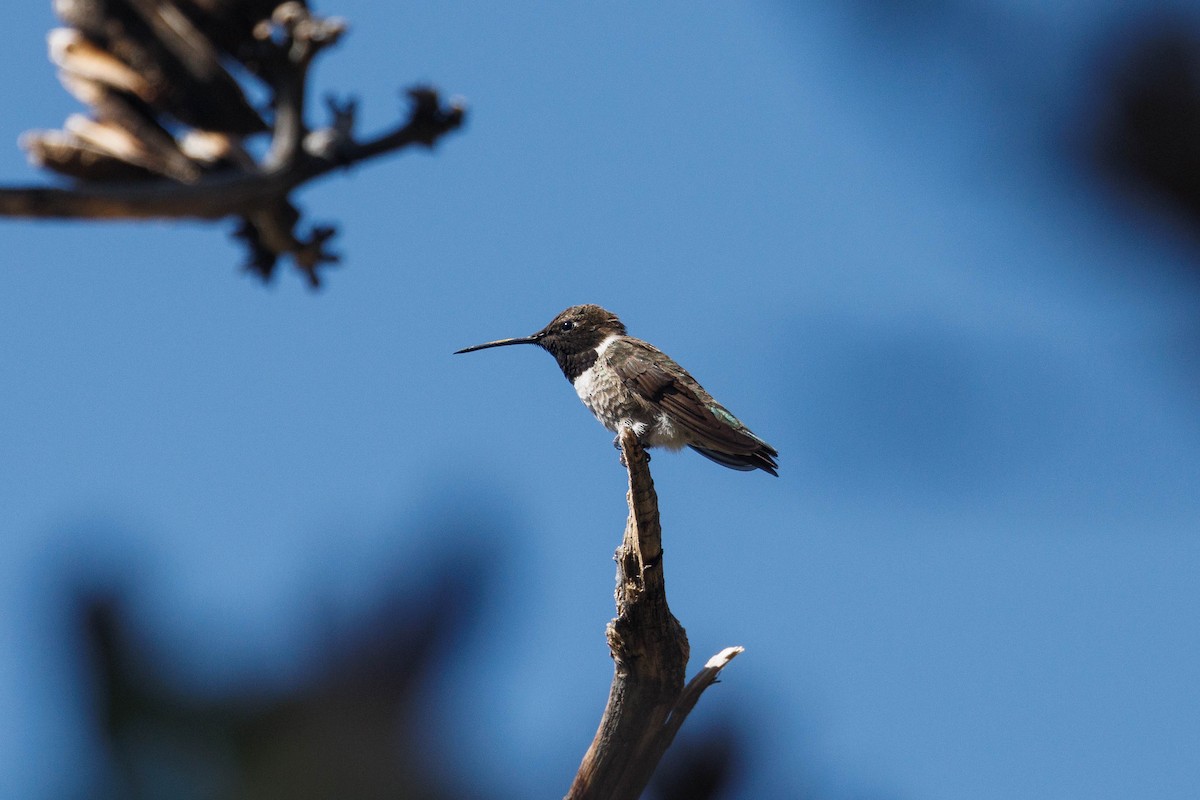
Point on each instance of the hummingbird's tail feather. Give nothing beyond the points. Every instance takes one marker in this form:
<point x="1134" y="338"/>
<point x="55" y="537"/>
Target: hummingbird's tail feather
<point x="743" y="462"/>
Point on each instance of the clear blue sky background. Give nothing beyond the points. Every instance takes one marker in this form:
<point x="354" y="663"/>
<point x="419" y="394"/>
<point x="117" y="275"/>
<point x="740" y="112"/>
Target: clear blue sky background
<point x="860" y="225"/>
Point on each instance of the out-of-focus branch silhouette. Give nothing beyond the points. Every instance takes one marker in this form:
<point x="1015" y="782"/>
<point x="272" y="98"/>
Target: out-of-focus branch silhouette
<point x="647" y="702"/>
<point x="1148" y="134"/>
<point x="353" y="730"/>
<point x="700" y="766"/>
<point x="169" y="122"/>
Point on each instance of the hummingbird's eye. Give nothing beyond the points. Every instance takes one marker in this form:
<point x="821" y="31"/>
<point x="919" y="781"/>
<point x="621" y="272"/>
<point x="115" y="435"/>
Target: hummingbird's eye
<point x="566" y="326"/>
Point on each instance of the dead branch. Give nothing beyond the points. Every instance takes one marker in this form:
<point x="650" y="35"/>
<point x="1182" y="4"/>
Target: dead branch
<point x="648" y="701"/>
<point x="169" y="122"/>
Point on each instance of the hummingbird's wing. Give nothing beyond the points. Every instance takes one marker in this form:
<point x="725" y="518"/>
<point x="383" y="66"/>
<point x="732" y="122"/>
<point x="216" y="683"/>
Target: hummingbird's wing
<point x="654" y="377"/>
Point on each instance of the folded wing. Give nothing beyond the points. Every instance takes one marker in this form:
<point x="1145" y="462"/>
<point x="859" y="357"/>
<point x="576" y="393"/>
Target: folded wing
<point x="714" y="432"/>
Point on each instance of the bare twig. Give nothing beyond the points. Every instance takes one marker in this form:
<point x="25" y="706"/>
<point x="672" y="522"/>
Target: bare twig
<point x="648" y="701"/>
<point x="298" y="38"/>
<point x="230" y="193"/>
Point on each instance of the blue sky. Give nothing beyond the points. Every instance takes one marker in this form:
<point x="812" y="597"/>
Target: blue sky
<point x="976" y="575"/>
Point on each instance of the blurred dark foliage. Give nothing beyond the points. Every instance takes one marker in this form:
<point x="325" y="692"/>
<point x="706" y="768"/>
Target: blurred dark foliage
<point x="700" y="766"/>
<point x="1148" y="134"/>
<point x="355" y="729"/>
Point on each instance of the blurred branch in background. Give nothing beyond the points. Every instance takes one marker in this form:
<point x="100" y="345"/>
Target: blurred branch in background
<point x="1148" y="135"/>
<point x="169" y="125"/>
<point x="353" y="730"/>
<point x="702" y="766"/>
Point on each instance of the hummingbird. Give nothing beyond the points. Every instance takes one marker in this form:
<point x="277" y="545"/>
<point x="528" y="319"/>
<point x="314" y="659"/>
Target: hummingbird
<point x="626" y="382"/>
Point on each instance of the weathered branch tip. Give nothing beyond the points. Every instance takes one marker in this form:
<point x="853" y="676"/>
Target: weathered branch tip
<point x="721" y="659"/>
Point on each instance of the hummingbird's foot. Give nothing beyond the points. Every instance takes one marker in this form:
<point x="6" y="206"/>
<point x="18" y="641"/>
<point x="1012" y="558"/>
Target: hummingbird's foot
<point x="617" y="445"/>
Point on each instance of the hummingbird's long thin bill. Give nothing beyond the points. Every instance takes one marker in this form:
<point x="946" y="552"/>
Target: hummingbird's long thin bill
<point x="499" y="343"/>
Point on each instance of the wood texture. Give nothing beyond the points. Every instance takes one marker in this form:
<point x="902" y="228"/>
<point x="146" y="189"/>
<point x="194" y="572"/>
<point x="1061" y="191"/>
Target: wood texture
<point x="648" y="701"/>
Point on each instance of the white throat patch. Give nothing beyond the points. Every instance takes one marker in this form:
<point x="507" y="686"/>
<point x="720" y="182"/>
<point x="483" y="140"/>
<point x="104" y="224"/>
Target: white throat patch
<point x="585" y="383"/>
<point x="600" y="348"/>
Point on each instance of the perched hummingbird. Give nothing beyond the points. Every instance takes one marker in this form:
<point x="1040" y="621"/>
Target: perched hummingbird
<point x="627" y="382"/>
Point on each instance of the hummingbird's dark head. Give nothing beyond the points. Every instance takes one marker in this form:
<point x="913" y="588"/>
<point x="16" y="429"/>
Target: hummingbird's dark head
<point x="572" y="337"/>
<point x="579" y="329"/>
